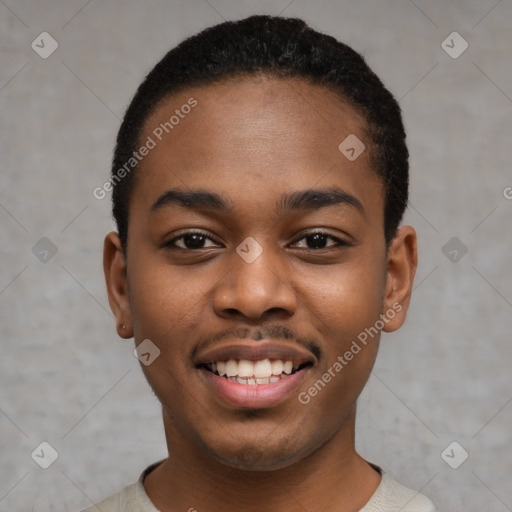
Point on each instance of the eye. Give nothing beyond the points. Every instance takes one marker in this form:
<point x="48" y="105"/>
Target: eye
<point x="319" y="240"/>
<point x="192" y="240"/>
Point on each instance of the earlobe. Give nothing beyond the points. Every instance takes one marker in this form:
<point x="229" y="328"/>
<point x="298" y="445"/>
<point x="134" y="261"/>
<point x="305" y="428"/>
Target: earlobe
<point x="114" y="268"/>
<point x="402" y="261"/>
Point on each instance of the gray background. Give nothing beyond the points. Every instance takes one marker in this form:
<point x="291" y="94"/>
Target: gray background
<point x="66" y="378"/>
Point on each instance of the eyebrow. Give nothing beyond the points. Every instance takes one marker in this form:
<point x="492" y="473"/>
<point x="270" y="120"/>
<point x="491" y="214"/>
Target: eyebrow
<point x="314" y="199"/>
<point x="302" y="200"/>
<point x="194" y="199"/>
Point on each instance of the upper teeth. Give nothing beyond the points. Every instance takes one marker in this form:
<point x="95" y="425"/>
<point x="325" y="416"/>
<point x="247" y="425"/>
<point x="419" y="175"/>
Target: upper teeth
<point x="262" y="369"/>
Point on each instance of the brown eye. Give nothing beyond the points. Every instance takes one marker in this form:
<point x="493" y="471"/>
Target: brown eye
<point x="320" y="241"/>
<point x="192" y="240"/>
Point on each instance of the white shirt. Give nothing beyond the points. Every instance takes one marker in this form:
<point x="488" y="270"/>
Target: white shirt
<point x="390" y="496"/>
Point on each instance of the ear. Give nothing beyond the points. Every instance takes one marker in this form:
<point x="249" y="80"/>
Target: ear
<point x="114" y="267"/>
<point x="402" y="261"/>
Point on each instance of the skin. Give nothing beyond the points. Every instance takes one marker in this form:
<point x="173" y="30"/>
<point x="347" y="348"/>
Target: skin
<point x="252" y="141"/>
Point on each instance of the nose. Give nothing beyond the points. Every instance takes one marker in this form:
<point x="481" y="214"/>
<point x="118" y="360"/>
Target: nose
<point x="255" y="290"/>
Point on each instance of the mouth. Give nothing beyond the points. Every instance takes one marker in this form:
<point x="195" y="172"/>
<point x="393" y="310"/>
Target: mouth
<point x="255" y="373"/>
<point x="246" y="375"/>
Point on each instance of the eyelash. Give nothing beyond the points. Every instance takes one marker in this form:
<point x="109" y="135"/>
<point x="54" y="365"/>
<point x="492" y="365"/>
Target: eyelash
<point x="339" y="242"/>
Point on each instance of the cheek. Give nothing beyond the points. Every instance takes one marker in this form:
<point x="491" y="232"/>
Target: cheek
<point x="164" y="303"/>
<point x="346" y="303"/>
<point x="166" y="310"/>
<point x="345" y="299"/>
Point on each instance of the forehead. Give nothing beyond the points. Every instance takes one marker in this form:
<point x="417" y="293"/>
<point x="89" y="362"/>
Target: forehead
<point x="260" y="134"/>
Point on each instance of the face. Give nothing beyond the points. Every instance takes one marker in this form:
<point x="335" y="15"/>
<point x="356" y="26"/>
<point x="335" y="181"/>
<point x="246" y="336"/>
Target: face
<point x="256" y="249"/>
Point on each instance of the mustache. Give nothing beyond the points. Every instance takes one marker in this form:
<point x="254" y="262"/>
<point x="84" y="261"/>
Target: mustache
<point x="273" y="332"/>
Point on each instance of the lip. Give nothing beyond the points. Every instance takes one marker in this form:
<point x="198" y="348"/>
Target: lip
<point x="259" y="396"/>
<point x="256" y="351"/>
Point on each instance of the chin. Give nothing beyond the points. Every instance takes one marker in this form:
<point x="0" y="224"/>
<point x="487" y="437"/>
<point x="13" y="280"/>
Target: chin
<point x="260" y="456"/>
<point x="256" y="459"/>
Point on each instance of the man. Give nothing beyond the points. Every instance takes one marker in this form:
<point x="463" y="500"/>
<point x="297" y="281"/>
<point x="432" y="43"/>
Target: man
<point x="259" y="179"/>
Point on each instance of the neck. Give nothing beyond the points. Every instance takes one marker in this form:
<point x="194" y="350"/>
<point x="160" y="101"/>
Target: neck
<point x="334" y="477"/>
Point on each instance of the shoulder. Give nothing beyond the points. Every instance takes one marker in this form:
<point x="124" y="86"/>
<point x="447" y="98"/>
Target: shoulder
<point x="132" y="498"/>
<point x="392" y="496"/>
<point x="119" y="502"/>
<point x="110" y="504"/>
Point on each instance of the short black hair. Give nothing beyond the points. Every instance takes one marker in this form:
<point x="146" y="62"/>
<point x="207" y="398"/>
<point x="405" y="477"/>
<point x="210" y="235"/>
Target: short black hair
<point x="277" y="47"/>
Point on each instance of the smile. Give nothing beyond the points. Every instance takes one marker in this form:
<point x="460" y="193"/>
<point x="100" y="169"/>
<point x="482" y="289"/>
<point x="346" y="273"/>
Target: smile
<point x="253" y="373"/>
